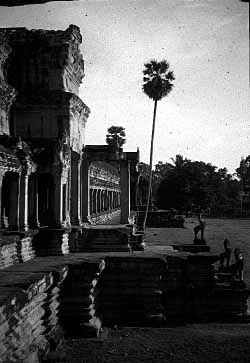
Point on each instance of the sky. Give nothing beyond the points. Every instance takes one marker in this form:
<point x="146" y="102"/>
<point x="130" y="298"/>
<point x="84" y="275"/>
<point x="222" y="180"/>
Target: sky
<point x="206" y="42"/>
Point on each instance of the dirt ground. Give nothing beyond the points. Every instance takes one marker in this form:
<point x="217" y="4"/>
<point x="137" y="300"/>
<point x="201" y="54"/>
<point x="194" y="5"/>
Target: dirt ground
<point x="191" y="343"/>
<point x="217" y="343"/>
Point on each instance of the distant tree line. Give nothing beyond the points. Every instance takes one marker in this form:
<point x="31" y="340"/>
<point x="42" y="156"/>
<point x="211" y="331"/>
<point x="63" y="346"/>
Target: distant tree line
<point x="189" y="186"/>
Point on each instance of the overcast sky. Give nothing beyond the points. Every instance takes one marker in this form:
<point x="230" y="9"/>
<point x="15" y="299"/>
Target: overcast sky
<point x="205" y="117"/>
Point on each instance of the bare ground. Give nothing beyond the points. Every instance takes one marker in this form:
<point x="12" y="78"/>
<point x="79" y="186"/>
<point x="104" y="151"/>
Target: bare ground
<point x="192" y="343"/>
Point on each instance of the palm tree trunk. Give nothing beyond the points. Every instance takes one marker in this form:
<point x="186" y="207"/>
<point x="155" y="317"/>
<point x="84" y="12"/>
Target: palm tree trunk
<point x="150" y="166"/>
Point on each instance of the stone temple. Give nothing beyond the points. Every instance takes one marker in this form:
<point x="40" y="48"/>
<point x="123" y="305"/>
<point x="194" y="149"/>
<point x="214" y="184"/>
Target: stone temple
<point x="61" y="199"/>
<point x="49" y="177"/>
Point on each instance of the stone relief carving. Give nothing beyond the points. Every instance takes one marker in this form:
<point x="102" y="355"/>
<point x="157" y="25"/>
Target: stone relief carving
<point x="102" y="174"/>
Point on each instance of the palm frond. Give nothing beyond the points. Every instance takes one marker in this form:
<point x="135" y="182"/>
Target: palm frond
<point x="157" y="79"/>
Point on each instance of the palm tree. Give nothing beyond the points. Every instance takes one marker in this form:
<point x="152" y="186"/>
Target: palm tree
<point x="157" y="83"/>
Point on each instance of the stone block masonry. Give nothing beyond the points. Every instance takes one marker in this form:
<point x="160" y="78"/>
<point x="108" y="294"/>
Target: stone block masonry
<point x="75" y="295"/>
<point x="41" y="301"/>
<point x="130" y="291"/>
<point x="78" y="313"/>
<point x="15" y="248"/>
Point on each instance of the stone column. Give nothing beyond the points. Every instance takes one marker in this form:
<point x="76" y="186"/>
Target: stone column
<point x="94" y="201"/>
<point x="110" y="200"/>
<point x="14" y="203"/>
<point x="90" y="201"/>
<point x="1" y="181"/>
<point x="33" y="220"/>
<point x="68" y="197"/>
<point x="98" y="203"/>
<point x="86" y="195"/>
<point x="23" y="200"/>
<point x="75" y="189"/>
<point x="106" y="200"/>
<point x="125" y="190"/>
<point x="57" y="197"/>
<point x="103" y="200"/>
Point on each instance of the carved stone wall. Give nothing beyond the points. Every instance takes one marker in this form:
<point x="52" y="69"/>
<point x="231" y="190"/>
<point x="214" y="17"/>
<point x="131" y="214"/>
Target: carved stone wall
<point x="45" y="60"/>
<point x="7" y="93"/>
<point x="51" y="115"/>
<point x="46" y="68"/>
<point x="103" y="174"/>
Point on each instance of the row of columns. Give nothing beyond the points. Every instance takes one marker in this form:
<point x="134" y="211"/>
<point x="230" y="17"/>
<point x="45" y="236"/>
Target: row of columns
<point x="61" y="198"/>
<point x="14" y="199"/>
<point x="103" y="200"/>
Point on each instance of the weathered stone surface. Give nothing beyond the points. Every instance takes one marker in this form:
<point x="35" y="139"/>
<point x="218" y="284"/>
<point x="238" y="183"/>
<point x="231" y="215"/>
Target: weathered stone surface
<point x="133" y="300"/>
<point x="46" y="59"/>
<point x="29" y="320"/>
<point x="7" y="93"/>
<point x="52" y="115"/>
<point x="80" y="291"/>
<point x="78" y="314"/>
<point x="51" y="242"/>
<point x="15" y="249"/>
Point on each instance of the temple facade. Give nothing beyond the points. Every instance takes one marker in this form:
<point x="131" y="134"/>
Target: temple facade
<point x="48" y="177"/>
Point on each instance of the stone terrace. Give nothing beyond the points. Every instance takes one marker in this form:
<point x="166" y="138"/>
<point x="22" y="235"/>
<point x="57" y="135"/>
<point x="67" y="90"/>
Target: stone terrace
<point x="74" y="295"/>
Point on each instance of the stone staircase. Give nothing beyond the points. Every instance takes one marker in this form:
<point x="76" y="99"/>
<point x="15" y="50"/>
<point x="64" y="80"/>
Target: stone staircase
<point x="104" y="239"/>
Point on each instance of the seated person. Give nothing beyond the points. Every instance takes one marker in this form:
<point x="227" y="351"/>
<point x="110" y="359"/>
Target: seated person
<point x="237" y="267"/>
<point x="199" y="228"/>
<point x="226" y="255"/>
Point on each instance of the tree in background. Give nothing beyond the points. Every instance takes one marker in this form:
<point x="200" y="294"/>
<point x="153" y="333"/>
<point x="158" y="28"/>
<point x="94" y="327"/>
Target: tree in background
<point x="157" y="83"/>
<point x="191" y="185"/>
<point x="243" y="172"/>
<point x="116" y="137"/>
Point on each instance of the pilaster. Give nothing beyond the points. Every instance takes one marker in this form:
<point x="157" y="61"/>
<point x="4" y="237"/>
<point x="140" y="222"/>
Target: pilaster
<point x="75" y="189"/>
<point x="1" y="182"/>
<point x="86" y="192"/>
